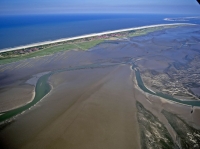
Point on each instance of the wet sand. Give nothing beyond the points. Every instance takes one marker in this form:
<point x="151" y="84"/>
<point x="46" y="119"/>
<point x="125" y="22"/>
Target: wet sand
<point x="35" y="78"/>
<point x="156" y="104"/>
<point x="92" y="108"/>
<point x="14" y="97"/>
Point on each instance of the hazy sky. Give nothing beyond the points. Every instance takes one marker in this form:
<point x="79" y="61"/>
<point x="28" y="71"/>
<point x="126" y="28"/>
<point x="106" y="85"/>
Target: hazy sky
<point x="100" y="6"/>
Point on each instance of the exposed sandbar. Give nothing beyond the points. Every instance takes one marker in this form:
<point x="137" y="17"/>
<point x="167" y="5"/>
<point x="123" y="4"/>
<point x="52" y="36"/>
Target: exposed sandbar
<point x="34" y="79"/>
<point x="87" y="109"/>
<point x="12" y="98"/>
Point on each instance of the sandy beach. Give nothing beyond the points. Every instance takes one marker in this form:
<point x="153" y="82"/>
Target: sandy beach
<point x="89" y="35"/>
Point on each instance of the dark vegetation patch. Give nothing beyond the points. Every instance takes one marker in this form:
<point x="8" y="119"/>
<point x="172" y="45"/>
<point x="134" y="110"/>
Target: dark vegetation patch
<point x="188" y="137"/>
<point x="152" y="132"/>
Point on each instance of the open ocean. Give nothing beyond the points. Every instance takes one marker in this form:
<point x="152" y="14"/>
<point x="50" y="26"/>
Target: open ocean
<point x="23" y="30"/>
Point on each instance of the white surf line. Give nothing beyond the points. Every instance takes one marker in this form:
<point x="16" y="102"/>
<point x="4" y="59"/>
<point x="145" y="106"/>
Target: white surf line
<point x="181" y="18"/>
<point x="88" y="35"/>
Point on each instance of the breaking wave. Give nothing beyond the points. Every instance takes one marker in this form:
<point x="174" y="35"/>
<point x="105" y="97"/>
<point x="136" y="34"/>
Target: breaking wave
<point x="183" y="19"/>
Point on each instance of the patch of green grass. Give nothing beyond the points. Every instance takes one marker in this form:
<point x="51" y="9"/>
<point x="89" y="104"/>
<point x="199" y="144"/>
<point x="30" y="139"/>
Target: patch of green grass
<point x="89" y="44"/>
<point x="147" y="30"/>
<point x="43" y="52"/>
<point x="50" y="50"/>
<point x="9" y="57"/>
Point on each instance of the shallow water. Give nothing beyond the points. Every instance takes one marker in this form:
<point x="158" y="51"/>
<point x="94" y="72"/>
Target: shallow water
<point x="140" y="49"/>
<point x="42" y="88"/>
<point x="167" y="97"/>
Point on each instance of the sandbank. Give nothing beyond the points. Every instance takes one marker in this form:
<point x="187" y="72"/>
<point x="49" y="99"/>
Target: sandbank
<point x="87" y="109"/>
<point x="34" y="79"/>
<point x="14" y="97"/>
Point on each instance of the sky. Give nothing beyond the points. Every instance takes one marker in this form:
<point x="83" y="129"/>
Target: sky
<point x="9" y="7"/>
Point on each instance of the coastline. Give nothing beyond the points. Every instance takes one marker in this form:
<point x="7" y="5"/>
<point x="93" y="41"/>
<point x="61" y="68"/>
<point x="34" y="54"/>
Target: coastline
<point x="32" y="81"/>
<point x="9" y="103"/>
<point x="87" y="36"/>
<point x="41" y="86"/>
<point x="18" y="106"/>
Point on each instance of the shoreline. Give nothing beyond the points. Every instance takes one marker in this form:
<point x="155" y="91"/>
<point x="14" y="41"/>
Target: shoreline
<point x="32" y="81"/>
<point x="2" y="112"/>
<point x="87" y="36"/>
<point x="8" y="115"/>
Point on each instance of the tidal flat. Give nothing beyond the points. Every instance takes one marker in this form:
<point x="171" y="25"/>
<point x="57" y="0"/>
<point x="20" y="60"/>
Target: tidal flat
<point x="94" y="100"/>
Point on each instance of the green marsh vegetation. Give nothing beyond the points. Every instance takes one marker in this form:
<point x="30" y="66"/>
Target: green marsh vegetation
<point x="80" y="44"/>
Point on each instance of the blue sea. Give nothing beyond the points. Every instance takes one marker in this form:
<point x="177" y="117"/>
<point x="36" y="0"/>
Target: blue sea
<point x="27" y="29"/>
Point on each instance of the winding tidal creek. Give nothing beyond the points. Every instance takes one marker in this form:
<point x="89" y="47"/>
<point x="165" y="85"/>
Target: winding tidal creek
<point x="43" y="88"/>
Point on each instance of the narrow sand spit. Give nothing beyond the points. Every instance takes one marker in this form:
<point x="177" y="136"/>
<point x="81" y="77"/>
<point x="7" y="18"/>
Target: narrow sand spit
<point x="87" y="109"/>
<point x="34" y="79"/>
<point x="89" y="35"/>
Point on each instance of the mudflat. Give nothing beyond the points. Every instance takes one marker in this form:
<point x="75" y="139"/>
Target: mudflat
<point x="95" y="99"/>
<point x="14" y="97"/>
<point x="92" y="108"/>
